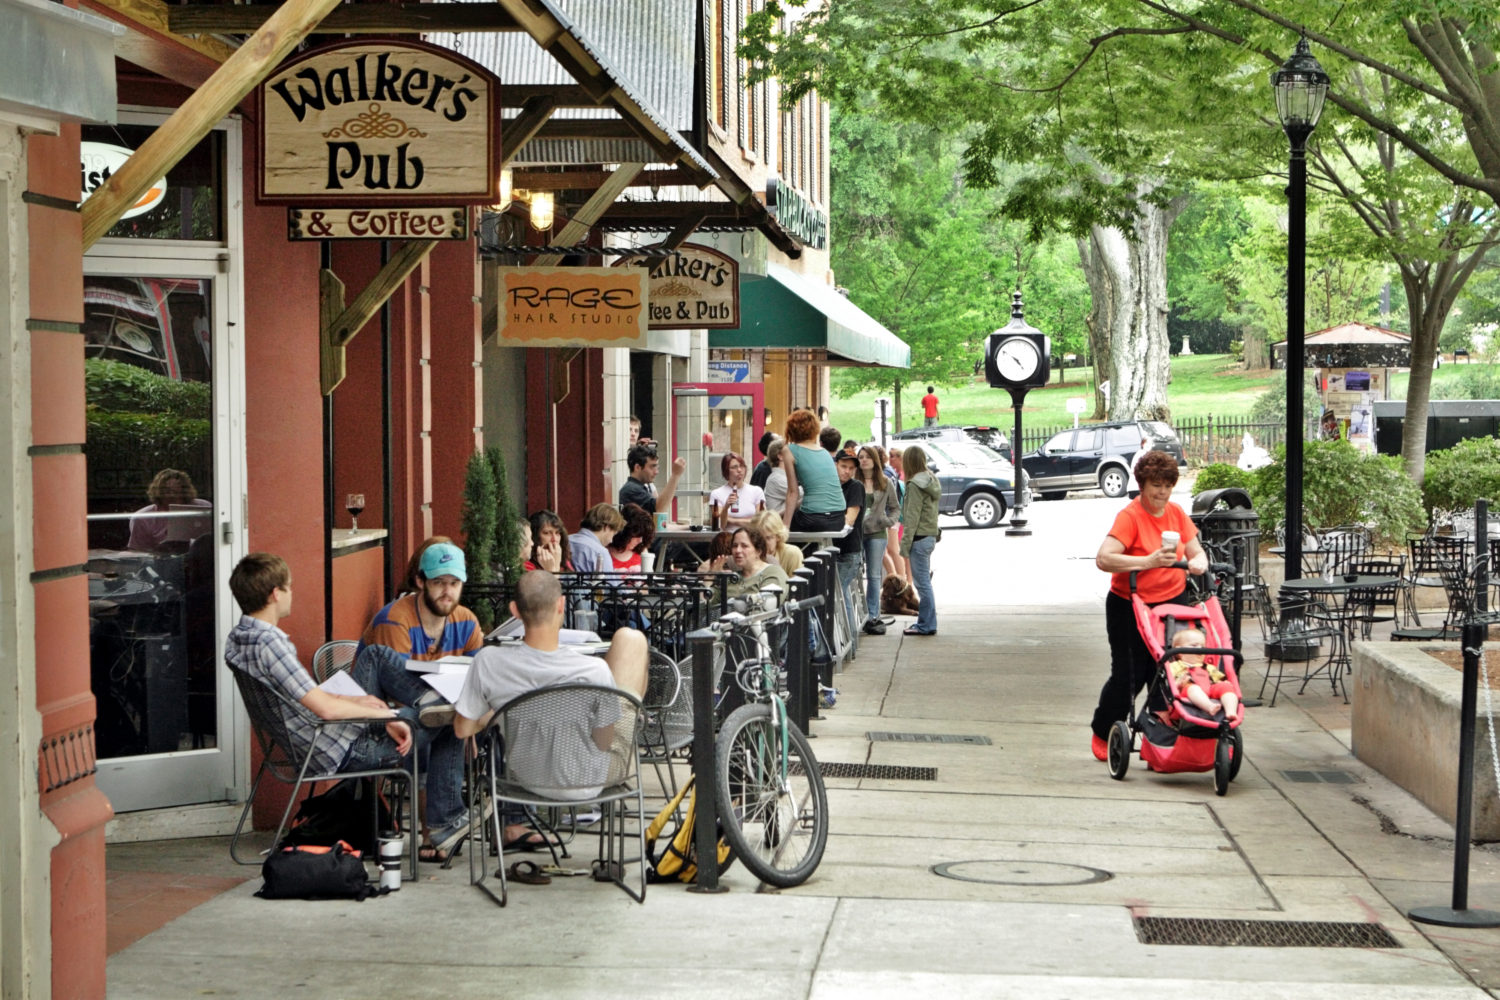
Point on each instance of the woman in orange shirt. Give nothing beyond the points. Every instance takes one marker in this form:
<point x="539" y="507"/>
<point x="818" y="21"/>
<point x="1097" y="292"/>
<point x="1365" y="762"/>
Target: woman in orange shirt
<point x="1134" y="544"/>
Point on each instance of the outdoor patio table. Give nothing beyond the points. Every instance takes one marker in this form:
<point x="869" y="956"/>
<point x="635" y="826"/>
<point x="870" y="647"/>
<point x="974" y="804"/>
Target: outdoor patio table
<point x="1341" y="587"/>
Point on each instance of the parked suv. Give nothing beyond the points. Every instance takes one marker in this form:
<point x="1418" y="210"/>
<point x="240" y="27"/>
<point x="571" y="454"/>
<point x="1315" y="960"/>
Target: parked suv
<point x="991" y="437"/>
<point x="976" y="481"/>
<point x="1096" y="456"/>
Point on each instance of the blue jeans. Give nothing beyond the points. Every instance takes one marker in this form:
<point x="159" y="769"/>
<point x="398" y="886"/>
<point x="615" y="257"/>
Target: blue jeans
<point x="921" y="579"/>
<point x="382" y="672"/>
<point x="848" y="571"/>
<point x="874" y="572"/>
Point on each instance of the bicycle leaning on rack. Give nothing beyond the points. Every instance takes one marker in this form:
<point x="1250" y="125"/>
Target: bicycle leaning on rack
<point x="769" y="789"/>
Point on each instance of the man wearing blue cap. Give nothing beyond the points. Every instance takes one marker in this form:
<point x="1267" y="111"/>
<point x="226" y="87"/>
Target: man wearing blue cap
<point x="428" y="625"/>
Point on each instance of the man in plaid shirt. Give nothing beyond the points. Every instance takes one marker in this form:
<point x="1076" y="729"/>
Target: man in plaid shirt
<point x="262" y="585"/>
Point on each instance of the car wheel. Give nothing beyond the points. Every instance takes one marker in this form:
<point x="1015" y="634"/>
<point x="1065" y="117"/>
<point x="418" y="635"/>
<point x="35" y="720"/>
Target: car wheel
<point x="1053" y="494"/>
<point x="984" y="510"/>
<point x="1113" y="480"/>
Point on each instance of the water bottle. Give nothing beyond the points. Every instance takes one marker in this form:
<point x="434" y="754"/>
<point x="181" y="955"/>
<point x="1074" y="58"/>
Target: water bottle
<point x="586" y="620"/>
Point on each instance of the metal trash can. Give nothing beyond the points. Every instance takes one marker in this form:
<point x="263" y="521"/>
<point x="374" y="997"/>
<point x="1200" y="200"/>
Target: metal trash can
<point x="1226" y="516"/>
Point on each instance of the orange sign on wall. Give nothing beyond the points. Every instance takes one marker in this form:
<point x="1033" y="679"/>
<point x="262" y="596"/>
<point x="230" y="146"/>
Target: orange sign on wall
<point x="572" y="307"/>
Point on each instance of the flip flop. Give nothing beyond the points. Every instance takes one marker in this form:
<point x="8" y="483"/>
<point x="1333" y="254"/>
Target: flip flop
<point x="432" y="854"/>
<point x="530" y="841"/>
<point x="527" y="873"/>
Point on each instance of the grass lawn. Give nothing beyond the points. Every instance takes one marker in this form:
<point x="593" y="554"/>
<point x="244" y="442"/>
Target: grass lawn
<point x="1447" y="373"/>
<point x="1201" y="384"/>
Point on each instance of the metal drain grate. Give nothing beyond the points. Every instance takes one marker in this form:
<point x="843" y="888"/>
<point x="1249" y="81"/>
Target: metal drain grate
<point x="884" y="772"/>
<point x="1320" y="777"/>
<point x="1262" y="933"/>
<point x="979" y="741"/>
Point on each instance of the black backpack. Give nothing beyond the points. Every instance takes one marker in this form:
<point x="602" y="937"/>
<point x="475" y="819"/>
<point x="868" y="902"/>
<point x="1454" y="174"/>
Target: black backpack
<point x="351" y="811"/>
<point x="309" y="872"/>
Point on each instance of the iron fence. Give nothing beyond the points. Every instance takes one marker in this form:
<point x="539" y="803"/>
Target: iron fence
<point x="1205" y="440"/>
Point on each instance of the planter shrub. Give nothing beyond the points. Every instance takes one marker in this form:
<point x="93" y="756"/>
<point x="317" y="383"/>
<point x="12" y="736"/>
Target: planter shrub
<point x="1458" y="476"/>
<point x="1341" y="485"/>
<point x="1221" y="475"/>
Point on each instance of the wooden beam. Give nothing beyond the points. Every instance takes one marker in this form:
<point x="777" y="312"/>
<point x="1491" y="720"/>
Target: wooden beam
<point x="564" y="95"/>
<point x="150" y="44"/>
<point x="395" y="272"/>
<point x="587" y="180"/>
<point x="330" y="306"/>
<point x="349" y="19"/>
<point x="588" y="128"/>
<point x="204" y="108"/>
<point x="685" y="228"/>
<point x="518" y="131"/>
<point x="583" y="220"/>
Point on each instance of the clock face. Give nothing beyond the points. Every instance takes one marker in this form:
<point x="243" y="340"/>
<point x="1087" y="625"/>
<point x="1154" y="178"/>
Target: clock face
<point x="1017" y="359"/>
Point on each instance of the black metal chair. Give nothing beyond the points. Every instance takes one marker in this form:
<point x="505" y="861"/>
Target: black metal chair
<point x="283" y="760"/>
<point x="1282" y="635"/>
<point x="543" y="750"/>
<point x="1368" y="607"/>
<point x="666" y="719"/>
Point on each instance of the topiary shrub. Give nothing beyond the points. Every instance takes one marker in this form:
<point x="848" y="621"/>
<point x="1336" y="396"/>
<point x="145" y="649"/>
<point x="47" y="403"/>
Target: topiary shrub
<point x="1221" y="475"/>
<point x="1458" y="476"/>
<point x="478" y="523"/>
<point x="1341" y="485"/>
<point x="507" y="549"/>
<point x="120" y="387"/>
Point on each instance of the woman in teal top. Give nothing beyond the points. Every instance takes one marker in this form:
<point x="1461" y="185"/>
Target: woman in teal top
<point x="820" y="506"/>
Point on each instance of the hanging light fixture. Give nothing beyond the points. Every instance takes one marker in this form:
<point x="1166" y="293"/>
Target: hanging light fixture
<point x="541" y="210"/>
<point x="507" y="190"/>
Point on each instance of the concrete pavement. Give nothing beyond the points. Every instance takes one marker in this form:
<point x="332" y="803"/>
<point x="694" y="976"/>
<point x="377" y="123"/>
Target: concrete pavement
<point x="1053" y="859"/>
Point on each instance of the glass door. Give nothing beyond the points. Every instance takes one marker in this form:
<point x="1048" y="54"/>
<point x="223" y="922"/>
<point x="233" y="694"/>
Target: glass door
<point x="164" y="485"/>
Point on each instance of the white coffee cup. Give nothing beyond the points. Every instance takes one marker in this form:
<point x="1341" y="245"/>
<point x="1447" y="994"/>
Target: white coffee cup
<point x="1169" y="540"/>
<point x="648" y="562"/>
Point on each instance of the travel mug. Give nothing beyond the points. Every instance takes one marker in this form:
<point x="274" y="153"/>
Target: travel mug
<point x="390" y="863"/>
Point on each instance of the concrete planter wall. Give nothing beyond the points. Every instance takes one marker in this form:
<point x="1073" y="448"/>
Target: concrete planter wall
<point x="1405" y="725"/>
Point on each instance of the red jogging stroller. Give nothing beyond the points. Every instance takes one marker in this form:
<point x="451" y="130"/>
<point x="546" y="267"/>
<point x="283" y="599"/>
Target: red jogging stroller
<point x="1181" y="737"/>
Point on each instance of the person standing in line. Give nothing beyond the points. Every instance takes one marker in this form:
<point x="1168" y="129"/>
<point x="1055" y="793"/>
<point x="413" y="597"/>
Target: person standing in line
<point x="919" y="536"/>
<point x="930" y="406"/>
<point x="775" y="488"/>
<point x="814" y="500"/>
<point x="851" y="546"/>
<point x="763" y="467"/>
<point x="882" y="510"/>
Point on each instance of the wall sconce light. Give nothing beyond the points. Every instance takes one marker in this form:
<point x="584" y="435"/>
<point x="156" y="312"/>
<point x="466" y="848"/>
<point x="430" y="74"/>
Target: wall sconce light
<point x="541" y="209"/>
<point x="729" y="420"/>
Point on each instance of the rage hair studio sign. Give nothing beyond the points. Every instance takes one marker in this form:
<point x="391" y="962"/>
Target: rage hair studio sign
<point x="572" y="307"/>
<point x="695" y="288"/>
<point x="374" y="124"/>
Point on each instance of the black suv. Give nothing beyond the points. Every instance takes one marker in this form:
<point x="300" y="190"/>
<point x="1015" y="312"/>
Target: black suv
<point x="991" y="437"/>
<point x="1096" y="456"/>
<point x="976" y="481"/>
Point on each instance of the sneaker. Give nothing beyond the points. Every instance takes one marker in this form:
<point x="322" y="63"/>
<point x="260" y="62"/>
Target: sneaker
<point x="827" y="696"/>
<point x="436" y="716"/>
<point x="873" y="627"/>
<point x="1100" y="748"/>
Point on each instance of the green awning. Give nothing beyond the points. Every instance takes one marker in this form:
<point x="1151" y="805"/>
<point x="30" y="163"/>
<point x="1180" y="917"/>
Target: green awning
<point x="787" y="310"/>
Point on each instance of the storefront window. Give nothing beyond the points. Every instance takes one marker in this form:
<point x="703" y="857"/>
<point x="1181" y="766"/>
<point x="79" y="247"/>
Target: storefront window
<point x="189" y="206"/>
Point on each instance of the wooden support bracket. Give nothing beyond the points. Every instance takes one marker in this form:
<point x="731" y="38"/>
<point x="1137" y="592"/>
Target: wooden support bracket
<point x="593" y="209"/>
<point x="203" y="109"/>
<point x="339" y="323"/>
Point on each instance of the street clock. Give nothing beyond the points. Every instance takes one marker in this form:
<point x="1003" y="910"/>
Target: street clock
<point x="1018" y="355"/>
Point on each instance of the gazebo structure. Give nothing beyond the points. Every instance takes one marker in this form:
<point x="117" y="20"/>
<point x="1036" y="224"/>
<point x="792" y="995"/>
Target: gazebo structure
<point x="1353" y="364"/>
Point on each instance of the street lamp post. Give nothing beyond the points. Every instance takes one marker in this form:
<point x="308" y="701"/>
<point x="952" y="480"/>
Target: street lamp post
<point x="1300" y="86"/>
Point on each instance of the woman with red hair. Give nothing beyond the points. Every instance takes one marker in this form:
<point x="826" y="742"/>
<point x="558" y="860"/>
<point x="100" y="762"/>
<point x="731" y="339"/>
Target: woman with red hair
<point x="819" y="506"/>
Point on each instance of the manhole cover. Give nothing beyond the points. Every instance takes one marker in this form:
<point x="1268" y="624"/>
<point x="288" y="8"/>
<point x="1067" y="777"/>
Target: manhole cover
<point x="1262" y="933"/>
<point x="1014" y="872"/>
<point x="889" y="772"/>
<point x="882" y="737"/>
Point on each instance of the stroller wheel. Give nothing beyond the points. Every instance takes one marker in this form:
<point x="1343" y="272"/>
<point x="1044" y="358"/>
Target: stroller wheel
<point x="1120" y="745"/>
<point x="1223" y="765"/>
<point x="1236" y="753"/>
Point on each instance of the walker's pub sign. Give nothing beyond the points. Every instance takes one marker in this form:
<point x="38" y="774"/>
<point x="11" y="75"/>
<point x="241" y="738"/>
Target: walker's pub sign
<point x="374" y="124"/>
<point x="695" y="288"/>
<point x="572" y="307"/>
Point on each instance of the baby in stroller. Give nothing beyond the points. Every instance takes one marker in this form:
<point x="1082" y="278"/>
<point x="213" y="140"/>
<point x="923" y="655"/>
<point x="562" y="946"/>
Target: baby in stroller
<point x="1200" y="682"/>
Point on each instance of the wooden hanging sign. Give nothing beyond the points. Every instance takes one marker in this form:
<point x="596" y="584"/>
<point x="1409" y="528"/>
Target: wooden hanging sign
<point x="376" y="124"/>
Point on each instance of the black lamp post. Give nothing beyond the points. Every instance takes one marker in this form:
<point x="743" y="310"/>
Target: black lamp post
<point x="1300" y="86"/>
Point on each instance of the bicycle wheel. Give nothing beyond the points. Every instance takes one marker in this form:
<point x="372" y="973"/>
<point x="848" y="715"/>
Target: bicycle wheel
<point x="774" y="810"/>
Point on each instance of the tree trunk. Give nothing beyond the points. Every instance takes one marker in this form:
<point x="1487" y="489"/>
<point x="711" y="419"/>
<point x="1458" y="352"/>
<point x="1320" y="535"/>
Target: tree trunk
<point x="1253" y="346"/>
<point x="1099" y="357"/>
<point x="896" y="402"/>
<point x="1127" y="278"/>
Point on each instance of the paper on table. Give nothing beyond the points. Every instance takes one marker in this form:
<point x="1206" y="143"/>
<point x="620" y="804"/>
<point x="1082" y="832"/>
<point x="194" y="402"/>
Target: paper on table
<point x="514" y="628"/>
<point x="343" y="683"/>
<point x="442" y="665"/>
<point x="447" y="685"/>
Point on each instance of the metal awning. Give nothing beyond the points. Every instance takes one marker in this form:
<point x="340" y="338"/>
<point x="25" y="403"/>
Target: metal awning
<point x="789" y="311"/>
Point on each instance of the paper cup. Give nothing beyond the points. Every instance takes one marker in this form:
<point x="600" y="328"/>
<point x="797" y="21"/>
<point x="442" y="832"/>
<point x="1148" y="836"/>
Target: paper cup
<point x="648" y="562"/>
<point x="661" y="520"/>
<point x="1170" y="539"/>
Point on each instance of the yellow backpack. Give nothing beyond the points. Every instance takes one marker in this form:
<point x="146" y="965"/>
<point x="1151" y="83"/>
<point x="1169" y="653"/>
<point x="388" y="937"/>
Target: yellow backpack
<point x="678" y="860"/>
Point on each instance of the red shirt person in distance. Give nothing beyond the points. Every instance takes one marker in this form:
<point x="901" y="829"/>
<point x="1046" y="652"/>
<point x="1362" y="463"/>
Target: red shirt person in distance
<point x="930" y="406"/>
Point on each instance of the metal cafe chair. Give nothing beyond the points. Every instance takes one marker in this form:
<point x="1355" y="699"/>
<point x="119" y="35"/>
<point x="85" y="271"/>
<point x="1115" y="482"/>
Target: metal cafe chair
<point x="333" y="656"/>
<point x="1283" y="634"/>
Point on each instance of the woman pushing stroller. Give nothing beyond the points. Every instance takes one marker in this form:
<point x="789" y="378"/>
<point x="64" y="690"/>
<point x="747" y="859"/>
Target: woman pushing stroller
<point x="1148" y="536"/>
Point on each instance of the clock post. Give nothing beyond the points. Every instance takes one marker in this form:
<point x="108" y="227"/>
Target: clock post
<point x="1018" y="358"/>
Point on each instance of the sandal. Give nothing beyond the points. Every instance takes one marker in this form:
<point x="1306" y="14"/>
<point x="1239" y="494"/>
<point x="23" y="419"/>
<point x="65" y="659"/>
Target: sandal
<point x="527" y="873"/>
<point x="432" y="854"/>
<point x="530" y="841"/>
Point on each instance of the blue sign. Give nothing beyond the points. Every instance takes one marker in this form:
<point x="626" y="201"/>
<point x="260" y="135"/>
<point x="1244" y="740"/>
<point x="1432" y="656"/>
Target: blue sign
<point x="727" y="371"/>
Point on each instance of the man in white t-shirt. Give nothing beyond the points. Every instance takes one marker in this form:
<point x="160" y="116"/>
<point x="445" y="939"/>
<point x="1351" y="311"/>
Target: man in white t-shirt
<point x="575" y="756"/>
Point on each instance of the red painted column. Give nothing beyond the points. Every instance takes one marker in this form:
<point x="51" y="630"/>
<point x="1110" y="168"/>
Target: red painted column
<point x="69" y="797"/>
<point x="456" y="403"/>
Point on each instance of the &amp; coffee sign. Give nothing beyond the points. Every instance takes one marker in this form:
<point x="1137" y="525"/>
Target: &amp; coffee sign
<point x="572" y="307"/>
<point x="694" y="288"/>
<point x="374" y="124"/>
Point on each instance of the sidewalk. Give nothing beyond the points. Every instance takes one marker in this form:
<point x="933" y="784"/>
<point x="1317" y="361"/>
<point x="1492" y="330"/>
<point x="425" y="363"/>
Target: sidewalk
<point x="1049" y="860"/>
